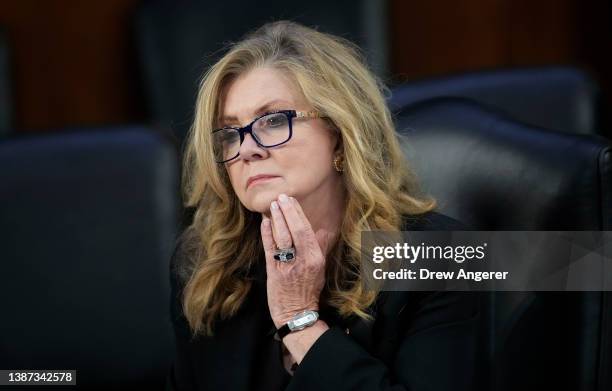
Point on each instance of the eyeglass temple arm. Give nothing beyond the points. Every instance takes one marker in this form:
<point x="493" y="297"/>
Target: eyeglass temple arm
<point x="308" y="114"/>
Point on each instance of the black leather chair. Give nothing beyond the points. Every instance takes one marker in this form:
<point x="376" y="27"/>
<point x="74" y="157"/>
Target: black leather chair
<point x="559" y="98"/>
<point x="87" y="223"/>
<point x="497" y="174"/>
<point x="177" y="41"/>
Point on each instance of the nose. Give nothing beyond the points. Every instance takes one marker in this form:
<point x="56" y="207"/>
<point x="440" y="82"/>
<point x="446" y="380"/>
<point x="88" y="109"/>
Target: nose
<point x="250" y="150"/>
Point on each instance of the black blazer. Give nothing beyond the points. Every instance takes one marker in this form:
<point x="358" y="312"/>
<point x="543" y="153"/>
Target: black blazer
<point x="417" y="341"/>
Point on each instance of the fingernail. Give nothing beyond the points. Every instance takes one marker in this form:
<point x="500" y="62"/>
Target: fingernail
<point x="274" y="205"/>
<point x="283" y="198"/>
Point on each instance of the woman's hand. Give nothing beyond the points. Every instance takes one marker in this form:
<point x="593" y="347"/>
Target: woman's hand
<point x="293" y="286"/>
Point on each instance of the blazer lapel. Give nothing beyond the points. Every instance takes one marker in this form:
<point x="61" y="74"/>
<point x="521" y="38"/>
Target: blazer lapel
<point x="231" y="353"/>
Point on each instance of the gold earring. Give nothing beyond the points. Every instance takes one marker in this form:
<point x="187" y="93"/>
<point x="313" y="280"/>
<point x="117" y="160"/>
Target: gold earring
<point x="338" y="163"/>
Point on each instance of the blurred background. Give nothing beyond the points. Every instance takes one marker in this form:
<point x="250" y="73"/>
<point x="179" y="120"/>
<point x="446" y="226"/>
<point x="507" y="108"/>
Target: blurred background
<point x="66" y="63"/>
<point x="96" y="98"/>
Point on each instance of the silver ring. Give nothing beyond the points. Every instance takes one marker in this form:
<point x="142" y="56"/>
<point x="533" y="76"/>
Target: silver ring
<point x="284" y="254"/>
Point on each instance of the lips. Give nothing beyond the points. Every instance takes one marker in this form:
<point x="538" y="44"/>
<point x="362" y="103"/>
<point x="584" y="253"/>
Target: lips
<point x="260" y="176"/>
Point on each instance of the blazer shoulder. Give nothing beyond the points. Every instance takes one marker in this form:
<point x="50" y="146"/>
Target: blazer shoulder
<point x="433" y="221"/>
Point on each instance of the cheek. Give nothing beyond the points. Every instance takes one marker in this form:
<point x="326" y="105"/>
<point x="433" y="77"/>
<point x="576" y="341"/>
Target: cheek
<point x="318" y="154"/>
<point x="309" y="166"/>
<point x="234" y="177"/>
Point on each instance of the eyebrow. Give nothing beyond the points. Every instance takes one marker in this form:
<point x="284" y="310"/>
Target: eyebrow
<point x="265" y="107"/>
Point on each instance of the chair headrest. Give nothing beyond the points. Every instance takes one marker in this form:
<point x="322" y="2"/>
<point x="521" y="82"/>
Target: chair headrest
<point x="496" y="173"/>
<point x="555" y="97"/>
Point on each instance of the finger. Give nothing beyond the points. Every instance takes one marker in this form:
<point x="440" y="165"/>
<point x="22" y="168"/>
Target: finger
<point x="280" y="232"/>
<point x="298" y="208"/>
<point x="299" y="227"/>
<point x="268" y="243"/>
<point x="324" y="238"/>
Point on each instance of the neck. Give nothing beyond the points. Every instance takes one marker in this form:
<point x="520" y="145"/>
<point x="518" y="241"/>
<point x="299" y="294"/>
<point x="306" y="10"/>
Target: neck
<point x="325" y="209"/>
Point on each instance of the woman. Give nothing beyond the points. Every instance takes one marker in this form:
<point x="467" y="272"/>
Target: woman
<point x="291" y="155"/>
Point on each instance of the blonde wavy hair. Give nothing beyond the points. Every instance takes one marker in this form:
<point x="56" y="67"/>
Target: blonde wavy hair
<point x="334" y="78"/>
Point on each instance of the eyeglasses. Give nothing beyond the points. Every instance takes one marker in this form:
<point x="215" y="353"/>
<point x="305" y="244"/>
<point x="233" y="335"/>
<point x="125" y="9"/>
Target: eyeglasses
<point x="268" y="130"/>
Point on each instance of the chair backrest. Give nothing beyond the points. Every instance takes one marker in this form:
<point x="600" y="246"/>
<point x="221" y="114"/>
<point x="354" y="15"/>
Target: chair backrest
<point x="497" y="174"/>
<point x="177" y="41"/>
<point x="87" y="223"/>
<point x="559" y="98"/>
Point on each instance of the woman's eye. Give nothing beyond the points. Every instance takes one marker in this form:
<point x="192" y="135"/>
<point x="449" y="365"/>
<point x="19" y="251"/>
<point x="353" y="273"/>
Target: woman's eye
<point x="230" y="136"/>
<point x="275" y="120"/>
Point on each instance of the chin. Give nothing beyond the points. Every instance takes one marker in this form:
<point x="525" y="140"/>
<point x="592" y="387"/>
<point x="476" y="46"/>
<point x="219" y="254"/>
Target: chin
<point x="260" y="209"/>
<point x="260" y="203"/>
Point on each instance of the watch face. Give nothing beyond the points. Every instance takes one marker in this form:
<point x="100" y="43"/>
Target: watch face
<point x="304" y="320"/>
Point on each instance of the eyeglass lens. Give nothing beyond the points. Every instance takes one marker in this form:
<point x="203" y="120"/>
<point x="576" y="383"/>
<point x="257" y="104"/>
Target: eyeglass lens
<point x="269" y="130"/>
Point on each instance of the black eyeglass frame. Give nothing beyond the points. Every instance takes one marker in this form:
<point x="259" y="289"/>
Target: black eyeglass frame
<point x="249" y="128"/>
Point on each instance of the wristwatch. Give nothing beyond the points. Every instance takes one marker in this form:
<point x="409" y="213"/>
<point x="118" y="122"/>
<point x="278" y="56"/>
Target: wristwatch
<point x="298" y="322"/>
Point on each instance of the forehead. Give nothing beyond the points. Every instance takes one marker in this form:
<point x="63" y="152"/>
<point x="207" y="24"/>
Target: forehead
<point x="258" y="90"/>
